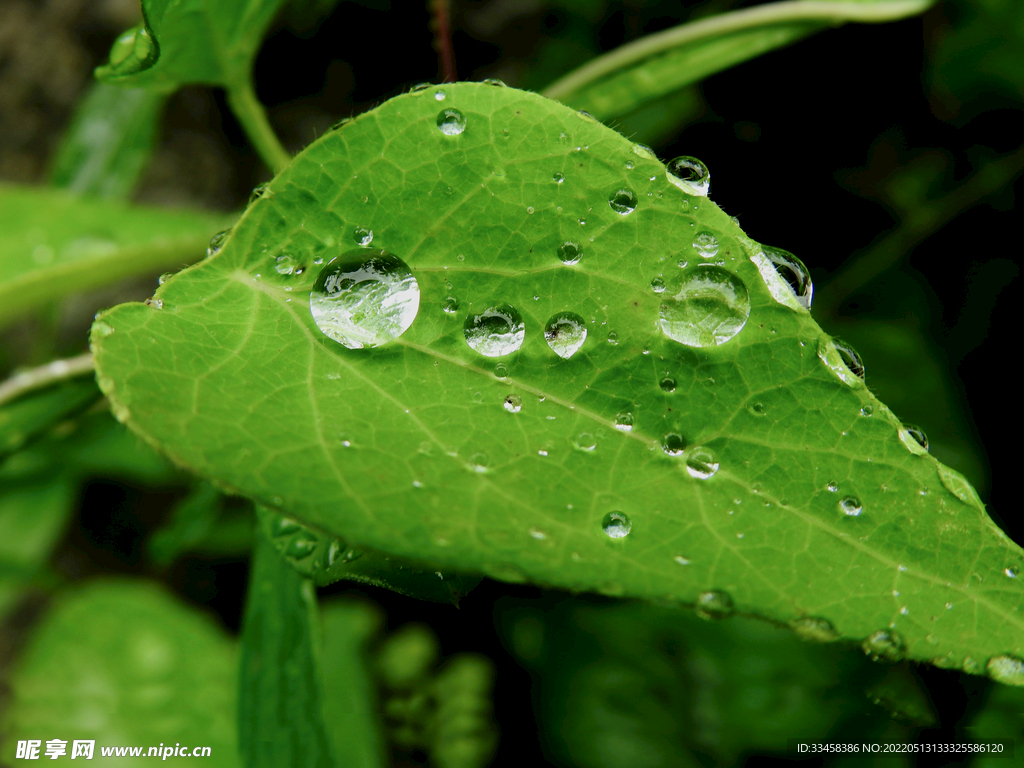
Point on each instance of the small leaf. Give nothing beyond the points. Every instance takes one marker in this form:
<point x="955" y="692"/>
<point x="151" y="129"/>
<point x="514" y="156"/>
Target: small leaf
<point x="53" y="243"/>
<point x="190" y="41"/>
<point x="724" y="435"/>
<point x="122" y="663"/>
<point x="280" y="721"/>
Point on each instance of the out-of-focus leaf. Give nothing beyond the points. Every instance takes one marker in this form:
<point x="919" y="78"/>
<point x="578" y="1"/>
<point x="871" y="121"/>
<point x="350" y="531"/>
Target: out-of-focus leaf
<point x="623" y="80"/>
<point x="351" y="717"/>
<point x="109" y="142"/>
<point x="190" y="522"/>
<point x="280" y="716"/>
<point x="124" y="664"/>
<point x="32" y="414"/>
<point x="1001" y="719"/>
<point x="53" y="243"/>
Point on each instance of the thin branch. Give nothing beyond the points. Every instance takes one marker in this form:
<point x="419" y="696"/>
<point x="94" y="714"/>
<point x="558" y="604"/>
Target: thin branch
<point x="722" y="24"/>
<point x="441" y="23"/>
<point x="253" y="117"/>
<point x="44" y="375"/>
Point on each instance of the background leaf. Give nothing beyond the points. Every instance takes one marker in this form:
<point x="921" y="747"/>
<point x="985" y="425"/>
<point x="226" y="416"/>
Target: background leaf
<point x="823" y="506"/>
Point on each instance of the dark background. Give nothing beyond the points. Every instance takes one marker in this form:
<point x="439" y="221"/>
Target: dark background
<point x="824" y="148"/>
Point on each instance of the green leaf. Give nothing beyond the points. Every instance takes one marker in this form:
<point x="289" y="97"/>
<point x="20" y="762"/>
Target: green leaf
<point x="122" y="663"/>
<point x="53" y="243"/>
<point x="190" y="522"/>
<point x="190" y="41"/>
<point x="109" y="142"/>
<point x="652" y="67"/>
<point x="280" y="721"/>
<point x="326" y="559"/>
<point x="520" y="467"/>
<point x="33" y="414"/>
<point x="349" y="697"/>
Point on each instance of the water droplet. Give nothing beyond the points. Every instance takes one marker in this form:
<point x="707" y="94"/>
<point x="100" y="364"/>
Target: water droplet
<point x="284" y="526"/>
<point x="1011" y="571"/>
<point x="419" y="87"/>
<point x="958" y="485"/>
<point x="851" y="505"/>
<point x="586" y="116"/>
<point x="616" y="525"/>
<point x="623" y="201"/>
<point x="450" y="305"/>
<point x="217" y="242"/>
<point x="513" y="403"/>
<point x="759" y="409"/>
<point x="867" y="410"/>
<point x="832" y="486"/>
<point x="301" y="546"/>
<point x="624" y="421"/>
<point x="706" y="245"/>
<point x="494" y="81"/>
<point x="714" y="604"/>
<point x="565" y="334"/>
<point x="658" y="285"/>
<point x="529" y="209"/>
<point x="363" y="236"/>
<point x="570" y="252"/>
<point x="451" y="122"/>
<point x="667" y="384"/>
<point x="681" y="560"/>
<point x="883" y="644"/>
<point x="501" y="371"/>
<point x="285" y="264"/>
<point x="673" y="444"/>
<point x="364" y="299"/>
<point x="786" y="277"/>
<point x="495" y="332"/>
<point x="585" y="442"/>
<point x="970" y="665"/>
<point x="642" y="150"/>
<point x="842" y="360"/>
<point x="479" y="462"/>
<point x="257" y="192"/>
<point x="155" y="303"/>
<point x="629" y="165"/>
<point x="814" y="628"/>
<point x="701" y="463"/>
<point x="439" y="94"/>
<point x="709" y="307"/>
<point x="164" y="278"/>
<point x="613" y="338"/>
<point x="558" y="178"/>
<point x="538" y="534"/>
<point x="918" y="435"/>
<point x="1006" y="669"/>
<point x="341" y="123"/>
<point x="690" y="175"/>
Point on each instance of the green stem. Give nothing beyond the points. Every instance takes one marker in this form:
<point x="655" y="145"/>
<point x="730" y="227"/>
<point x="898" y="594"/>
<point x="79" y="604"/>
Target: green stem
<point x="252" y="116"/>
<point x="44" y="376"/>
<point x="722" y="24"/>
<point x="916" y="228"/>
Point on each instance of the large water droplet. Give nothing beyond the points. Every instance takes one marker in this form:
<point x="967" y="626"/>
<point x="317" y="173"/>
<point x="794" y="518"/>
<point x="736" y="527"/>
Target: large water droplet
<point x="710" y="306"/>
<point x="495" y="332"/>
<point x="623" y="201"/>
<point x="701" y="463"/>
<point x="616" y="525"/>
<point x="842" y="360"/>
<point x="642" y="150"/>
<point x="787" y="279"/>
<point x="706" y="245"/>
<point x="918" y="435"/>
<point x="451" y="122"/>
<point x="851" y="505"/>
<point x="883" y="644"/>
<point x="570" y="252"/>
<point x="690" y="175"/>
<point x="813" y="628"/>
<point x="363" y="236"/>
<point x="624" y="421"/>
<point x="565" y="334"/>
<point x="673" y="444"/>
<point x="217" y="242"/>
<point x="667" y="384"/>
<point x="513" y="403"/>
<point x="714" y="604"/>
<point x="658" y="284"/>
<point x="1006" y="669"/>
<point x="363" y="299"/>
<point x="914" y="439"/>
<point x="1011" y="571"/>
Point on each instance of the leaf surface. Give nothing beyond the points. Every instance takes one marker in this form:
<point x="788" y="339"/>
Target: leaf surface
<point x="53" y="243"/>
<point x="821" y="506"/>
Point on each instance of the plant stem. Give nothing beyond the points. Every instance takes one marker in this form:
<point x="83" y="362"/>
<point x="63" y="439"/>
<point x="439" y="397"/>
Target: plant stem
<point x="252" y="116"/>
<point x="44" y="375"/>
<point x="722" y="24"/>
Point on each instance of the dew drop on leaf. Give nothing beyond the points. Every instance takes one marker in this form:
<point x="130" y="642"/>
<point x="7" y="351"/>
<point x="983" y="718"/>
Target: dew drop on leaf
<point x="658" y="285"/>
<point x="616" y="525"/>
<point x="570" y="252"/>
<point x="623" y="201"/>
<point x="673" y="444"/>
<point x="793" y="271"/>
<point x="285" y="264"/>
<point x="565" y="334"/>
<point x="690" y="175"/>
<point x="706" y="245"/>
<point x="494" y="81"/>
<point x="624" y="421"/>
<point x="883" y="644"/>
<point x="585" y="442"/>
<point x="164" y="278"/>
<point x="451" y="122"/>
<point x="815" y="629"/>
<point x="832" y="486"/>
<point x="642" y="150"/>
<point x="844" y="362"/>
<point x="257" y="192"/>
<point x="364" y="299"/>
<point x="850" y="505"/>
<point x="1011" y="571"/>
<point x="1006" y="669"/>
<point x="301" y="546"/>
<point x="450" y="305"/>
<point x="363" y="236"/>
<point x="709" y="306"/>
<point x="918" y="435"/>
<point x="851" y="359"/>
<point x="217" y="242"/>
<point x="155" y="303"/>
<point x="439" y="94"/>
<point x="958" y="485"/>
<point x="513" y="403"/>
<point x="680" y="560"/>
<point x="495" y="332"/>
<point x="701" y="463"/>
<point x="558" y="178"/>
<point x="667" y="384"/>
<point x="714" y="604"/>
